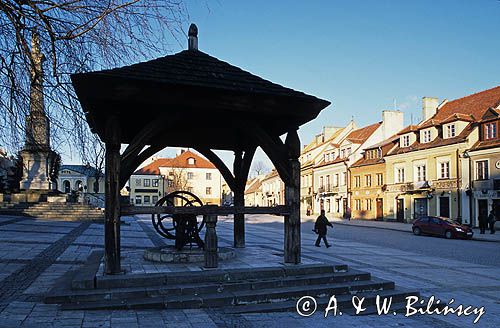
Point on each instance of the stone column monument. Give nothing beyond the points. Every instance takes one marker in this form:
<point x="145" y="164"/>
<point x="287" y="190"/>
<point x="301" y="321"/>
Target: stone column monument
<point x="36" y="154"/>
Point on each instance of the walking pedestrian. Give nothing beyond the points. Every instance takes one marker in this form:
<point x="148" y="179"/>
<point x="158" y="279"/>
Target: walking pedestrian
<point x="491" y="221"/>
<point x="320" y="227"/>
<point x="483" y="222"/>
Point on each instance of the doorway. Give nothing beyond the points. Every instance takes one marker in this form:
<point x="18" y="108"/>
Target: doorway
<point x="400" y="210"/>
<point x="444" y="206"/>
<point x="482" y="208"/>
<point x="420" y="208"/>
<point x="380" y="209"/>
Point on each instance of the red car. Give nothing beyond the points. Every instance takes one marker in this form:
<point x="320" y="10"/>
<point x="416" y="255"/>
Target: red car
<point x="439" y="226"/>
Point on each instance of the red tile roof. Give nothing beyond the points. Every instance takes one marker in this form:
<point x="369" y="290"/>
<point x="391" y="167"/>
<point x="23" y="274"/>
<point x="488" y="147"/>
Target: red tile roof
<point x="474" y="105"/>
<point x="361" y="135"/>
<point x="437" y="142"/>
<point x="409" y="128"/>
<point x="181" y="161"/>
<point x="254" y="186"/>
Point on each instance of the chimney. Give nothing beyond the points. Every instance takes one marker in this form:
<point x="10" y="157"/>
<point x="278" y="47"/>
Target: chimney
<point x="193" y="37"/>
<point x="429" y="107"/>
<point x="392" y="122"/>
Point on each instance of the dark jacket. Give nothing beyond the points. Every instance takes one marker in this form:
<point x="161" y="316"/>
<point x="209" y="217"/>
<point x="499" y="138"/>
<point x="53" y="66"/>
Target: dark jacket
<point x="320" y="225"/>
<point x="491" y="218"/>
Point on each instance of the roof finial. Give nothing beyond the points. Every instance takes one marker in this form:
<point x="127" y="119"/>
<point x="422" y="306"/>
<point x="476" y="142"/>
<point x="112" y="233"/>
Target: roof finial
<point x="193" y="37"/>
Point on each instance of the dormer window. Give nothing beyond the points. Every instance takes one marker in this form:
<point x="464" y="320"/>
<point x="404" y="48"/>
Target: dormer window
<point x="191" y="161"/>
<point x="406" y="141"/>
<point x="490" y="130"/>
<point x="426" y="136"/>
<point x="450" y="131"/>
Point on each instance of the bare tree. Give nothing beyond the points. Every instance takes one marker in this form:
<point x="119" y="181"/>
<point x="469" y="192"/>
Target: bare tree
<point x="259" y="168"/>
<point x="74" y="36"/>
<point x="176" y="180"/>
<point x="93" y="154"/>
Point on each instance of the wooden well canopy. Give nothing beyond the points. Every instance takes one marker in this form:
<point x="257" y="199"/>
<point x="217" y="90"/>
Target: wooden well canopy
<point x="191" y="99"/>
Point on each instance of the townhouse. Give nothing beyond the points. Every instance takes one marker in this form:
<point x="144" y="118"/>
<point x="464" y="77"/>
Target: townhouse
<point x="332" y="175"/>
<point x="273" y="189"/>
<point x="428" y="169"/>
<point x="368" y="181"/>
<point x="482" y="167"/>
<point x="188" y="172"/>
<point x="254" y="195"/>
<point x="311" y="155"/>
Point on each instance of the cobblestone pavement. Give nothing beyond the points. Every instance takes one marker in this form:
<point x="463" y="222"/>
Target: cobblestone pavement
<point x="34" y="253"/>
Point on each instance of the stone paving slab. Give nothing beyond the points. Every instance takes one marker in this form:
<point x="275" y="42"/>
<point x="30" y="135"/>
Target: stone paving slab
<point x="466" y="282"/>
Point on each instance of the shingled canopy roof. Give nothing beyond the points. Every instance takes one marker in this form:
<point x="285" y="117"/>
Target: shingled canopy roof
<point x="203" y="93"/>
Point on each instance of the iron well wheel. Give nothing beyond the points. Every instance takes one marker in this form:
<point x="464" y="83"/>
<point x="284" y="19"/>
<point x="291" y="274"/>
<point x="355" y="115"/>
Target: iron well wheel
<point x="165" y="224"/>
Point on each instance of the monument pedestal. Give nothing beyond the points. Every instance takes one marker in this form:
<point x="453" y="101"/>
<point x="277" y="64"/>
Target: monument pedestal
<point x="36" y="170"/>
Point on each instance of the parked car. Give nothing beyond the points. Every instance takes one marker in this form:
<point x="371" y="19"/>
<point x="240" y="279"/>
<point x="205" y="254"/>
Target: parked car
<point x="440" y="226"/>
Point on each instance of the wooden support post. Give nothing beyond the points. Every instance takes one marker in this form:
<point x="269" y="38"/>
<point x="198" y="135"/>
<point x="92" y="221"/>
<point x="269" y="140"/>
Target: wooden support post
<point x="292" y="245"/>
<point x="211" y="243"/>
<point x="112" y="213"/>
<point x="239" y="200"/>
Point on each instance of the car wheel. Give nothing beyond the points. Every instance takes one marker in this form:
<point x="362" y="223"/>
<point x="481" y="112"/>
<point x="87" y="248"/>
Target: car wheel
<point x="417" y="231"/>
<point x="448" y="234"/>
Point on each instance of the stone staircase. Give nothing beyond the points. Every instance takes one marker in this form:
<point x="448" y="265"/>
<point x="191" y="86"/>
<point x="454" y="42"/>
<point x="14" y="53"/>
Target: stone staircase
<point x="248" y="290"/>
<point x="58" y="211"/>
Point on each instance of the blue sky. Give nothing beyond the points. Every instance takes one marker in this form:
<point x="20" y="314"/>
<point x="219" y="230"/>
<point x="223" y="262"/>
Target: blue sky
<point x="360" y="55"/>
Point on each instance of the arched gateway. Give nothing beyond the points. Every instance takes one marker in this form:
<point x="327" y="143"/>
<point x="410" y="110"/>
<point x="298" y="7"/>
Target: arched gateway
<point x="191" y="99"/>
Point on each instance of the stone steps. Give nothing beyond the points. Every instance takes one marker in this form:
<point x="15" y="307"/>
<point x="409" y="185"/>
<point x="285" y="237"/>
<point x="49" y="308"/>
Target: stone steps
<point x="205" y="288"/>
<point x="66" y="211"/>
<point x="243" y="290"/>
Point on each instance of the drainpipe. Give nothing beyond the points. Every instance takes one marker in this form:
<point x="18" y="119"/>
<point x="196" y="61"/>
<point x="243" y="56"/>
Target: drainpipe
<point x="459" y="196"/>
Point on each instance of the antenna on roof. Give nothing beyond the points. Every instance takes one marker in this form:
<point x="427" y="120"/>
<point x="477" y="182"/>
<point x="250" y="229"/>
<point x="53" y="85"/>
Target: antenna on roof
<point x="411" y="118"/>
<point x="395" y="104"/>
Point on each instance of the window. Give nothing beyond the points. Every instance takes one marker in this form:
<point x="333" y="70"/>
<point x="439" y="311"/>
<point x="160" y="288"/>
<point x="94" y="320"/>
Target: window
<point x="155" y="199"/>
<point x="400" y="175"/>
<point x="191" y="161"/>
<point x="482" y="170"/>
<point x="337" y="205"/>
<point x="368" y="204"/>
<point x="450" y="131"/>
<point x="368" y="180"/>
<point x="146" y="199"/>
<point x="138" y="182"/>
<point x="321" y="182"/>
<point x="138" y="199"/>
<point x="155" y="182"/>
<point x="406" y="141"/>
<point x="208" y="176"/>
<point x="444" y="170"/>
<point x="190" y="175"/>
<point x="147" y="182"/>
<point x="490" y="130"/>
<point x="357" y="181"/>
<point x="420" y="171"/>
<point x="170" y="183"/>
<point x="380" y="179"/>
<point x="208" y="191"/>
<point x="190" y="189"/>
<point x="336" y="180"/>
<point x="357" y="204"/>
<point x="328" y="182"/>
<point x="426" y="136"/>
<point x="343" y="181"/>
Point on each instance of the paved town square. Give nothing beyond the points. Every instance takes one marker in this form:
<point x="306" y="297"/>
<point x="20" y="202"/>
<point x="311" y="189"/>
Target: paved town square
<point x="180" y="163"/>
<point x="35" y="253"/>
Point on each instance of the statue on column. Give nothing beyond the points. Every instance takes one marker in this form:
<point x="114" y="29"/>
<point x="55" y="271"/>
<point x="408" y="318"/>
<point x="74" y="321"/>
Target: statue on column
<point x="37" y="155"/>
